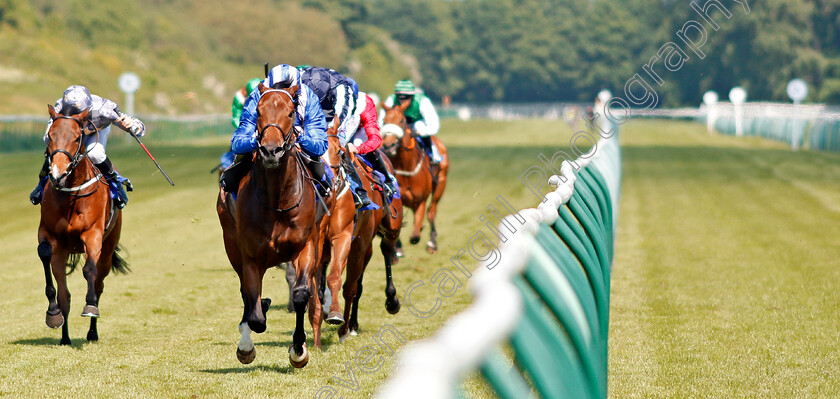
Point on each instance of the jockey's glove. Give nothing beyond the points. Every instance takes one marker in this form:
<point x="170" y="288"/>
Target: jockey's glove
<point x="134" y="126"/>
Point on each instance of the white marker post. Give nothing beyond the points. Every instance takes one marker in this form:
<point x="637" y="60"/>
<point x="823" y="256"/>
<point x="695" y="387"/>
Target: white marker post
<point x="710" y="99"/>
<point x="603" y="97"/>
<point x="797" y="90"/>
<point x="129" y="82"/>
<point x="738" y="95"/>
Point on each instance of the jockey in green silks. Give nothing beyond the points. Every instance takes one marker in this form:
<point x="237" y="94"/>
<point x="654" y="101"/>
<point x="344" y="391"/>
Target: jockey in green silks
<point x="420" y="114"/>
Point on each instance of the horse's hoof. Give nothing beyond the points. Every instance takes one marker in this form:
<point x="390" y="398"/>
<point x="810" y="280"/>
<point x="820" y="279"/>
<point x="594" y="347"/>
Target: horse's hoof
<point x="399" y="254"/>
<point x="392" y="305"/>
<point x="55" y="321"/>
<point x="64" y="341"/>
<point x="335" y="318"/>
<point x="298" y="362"/>
<point x="92" y="336"/>
<point x="246" y="357"/>
<point x="354" y="333"/>
<point x="414" y="240"/>
<point x="90" y="311"/>
<point x="431" y="247"/>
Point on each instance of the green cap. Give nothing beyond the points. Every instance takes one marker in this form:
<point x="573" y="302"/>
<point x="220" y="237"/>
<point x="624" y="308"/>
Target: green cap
<point x="251" y="85"/>
<point x="302" y="67"/>
<point x="404" y="87"/>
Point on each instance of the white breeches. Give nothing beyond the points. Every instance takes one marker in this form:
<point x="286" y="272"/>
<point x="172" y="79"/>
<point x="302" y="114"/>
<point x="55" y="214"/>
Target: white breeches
<point x="95" y="145"/>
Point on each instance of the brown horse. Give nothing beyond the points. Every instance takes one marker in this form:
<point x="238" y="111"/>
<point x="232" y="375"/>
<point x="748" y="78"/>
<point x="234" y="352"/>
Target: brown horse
<point x="77" y="217"/>
<point x="418" y="179"/>
<point x="274" y="219"/>
<point x="351" y="235"/>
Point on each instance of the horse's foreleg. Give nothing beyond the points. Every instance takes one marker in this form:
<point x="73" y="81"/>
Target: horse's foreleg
<point x="245" y="350"/>
<point x="254" y="309"/>
<point x="398" y="249"/>
<point x="431" y="246"/>
<point x="315" y="315"/>
<point x="103" y="268"/>
<point x="353" y="322"/>
<point x="58" y="263"/>
<point x="301" y="293"/>
<point x="419" y="213"/>
<point x="392" y="304"/>
<point x="437" y="193"/>
<point x="352" y="284"/>
<point x="54" y="318"/>
<point x="340" y="250"/>
<point x="252" y="277"/>
<point x="93" y="247"/>
<point x="290" y="281"/>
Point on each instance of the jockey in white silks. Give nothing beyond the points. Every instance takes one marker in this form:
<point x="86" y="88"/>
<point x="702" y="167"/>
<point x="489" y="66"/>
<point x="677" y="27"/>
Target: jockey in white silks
<point x="103" y="113"/>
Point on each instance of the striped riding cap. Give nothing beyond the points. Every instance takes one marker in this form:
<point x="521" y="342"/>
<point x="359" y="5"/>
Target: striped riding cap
<point x="75" y="99"/>
<point x="404" y="87"/>
<point x="282" y="76"/>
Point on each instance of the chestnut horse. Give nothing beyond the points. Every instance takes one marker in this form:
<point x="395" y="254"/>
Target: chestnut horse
<point x="351" y="235"/>
<point x="77" y="217"/>
<point x="275" y="218"/>
<point x="386" y="222"/>
<point x="417" y="178"/>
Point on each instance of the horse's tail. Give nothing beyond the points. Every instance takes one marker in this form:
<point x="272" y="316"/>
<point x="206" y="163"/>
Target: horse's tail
<point x="118" y="264"/>
<point x="72" y="261"/>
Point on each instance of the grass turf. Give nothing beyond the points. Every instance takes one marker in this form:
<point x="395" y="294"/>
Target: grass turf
<point x="169" y="328"/>
<point x="726" y="278"/>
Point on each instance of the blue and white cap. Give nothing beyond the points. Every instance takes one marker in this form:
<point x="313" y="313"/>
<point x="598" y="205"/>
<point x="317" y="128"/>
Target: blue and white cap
<point x="76" y="99"/>
<point x="282" y="76"/>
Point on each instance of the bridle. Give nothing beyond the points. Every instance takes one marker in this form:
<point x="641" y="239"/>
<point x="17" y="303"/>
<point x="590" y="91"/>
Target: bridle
<point x="75" y="159"/>
<point x="343" y="160"/>
<point x="289" y="138"/>
<point x="398" y="145"/>
<point x="404" y="125"/>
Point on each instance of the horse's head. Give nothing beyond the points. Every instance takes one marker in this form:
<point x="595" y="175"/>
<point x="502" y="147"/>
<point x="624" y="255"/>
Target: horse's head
<point x="276" y="133"/>
<point x="395" y="128"/>
<point x="334" y="148"/>
<point x="64" y="145"/>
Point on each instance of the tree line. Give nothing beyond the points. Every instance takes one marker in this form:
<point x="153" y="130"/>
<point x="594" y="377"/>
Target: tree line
<point x="192" y="54"/>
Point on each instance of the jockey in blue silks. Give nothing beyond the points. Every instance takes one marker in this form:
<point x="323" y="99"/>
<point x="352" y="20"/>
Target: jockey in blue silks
<point x="310" y="123"/>
<point x="337" y="95"/>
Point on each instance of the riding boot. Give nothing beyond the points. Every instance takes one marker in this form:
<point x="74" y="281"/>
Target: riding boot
<point x="229" y="180"/>
<point x="360" y="195"/>
<point x="316" y="167"/>
<point x="431" y="151"/>
<point x="107" y="169"/>
<point x="37" y="194"/>
<point x="378" y="164"/>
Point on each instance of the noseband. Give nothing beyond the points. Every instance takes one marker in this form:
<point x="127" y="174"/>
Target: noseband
<point x="289" y="138"/>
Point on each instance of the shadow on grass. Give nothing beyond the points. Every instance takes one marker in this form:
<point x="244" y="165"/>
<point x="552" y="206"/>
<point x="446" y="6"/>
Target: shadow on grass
<point x="287" y="369"/>
<point x="77" y="344"/>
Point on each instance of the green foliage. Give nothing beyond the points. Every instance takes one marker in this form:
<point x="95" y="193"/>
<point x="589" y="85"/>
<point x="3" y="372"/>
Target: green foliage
<point x="520" y="50"/>
<point x="193" y="54"/>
